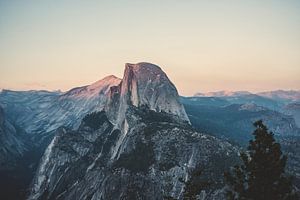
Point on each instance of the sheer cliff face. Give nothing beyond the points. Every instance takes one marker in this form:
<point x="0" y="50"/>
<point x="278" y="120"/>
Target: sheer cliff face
<point x="148" y="85"/>
<point x="145" y="84"/>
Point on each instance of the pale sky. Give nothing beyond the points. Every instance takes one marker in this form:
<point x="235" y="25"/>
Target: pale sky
<point x="201" y="45"/>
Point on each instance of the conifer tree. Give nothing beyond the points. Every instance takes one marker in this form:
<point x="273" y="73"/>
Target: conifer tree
<point x="261" y="175"/>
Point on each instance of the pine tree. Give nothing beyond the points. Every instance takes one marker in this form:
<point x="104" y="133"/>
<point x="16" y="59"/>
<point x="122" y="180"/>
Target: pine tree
<point x="261" y="175"/>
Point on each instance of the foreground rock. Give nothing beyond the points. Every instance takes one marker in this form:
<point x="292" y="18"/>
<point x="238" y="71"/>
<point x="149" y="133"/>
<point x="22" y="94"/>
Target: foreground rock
<point x="156" y="153"/>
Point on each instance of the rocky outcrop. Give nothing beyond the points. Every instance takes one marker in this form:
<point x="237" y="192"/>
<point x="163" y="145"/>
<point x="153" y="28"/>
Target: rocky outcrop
<point x="141" y="146"/>
<point x="157" y="152"/>
<point x="144" y="84"/>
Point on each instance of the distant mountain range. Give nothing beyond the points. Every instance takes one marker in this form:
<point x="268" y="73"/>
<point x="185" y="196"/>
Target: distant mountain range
<point x="284" y="96"/>
<point x="234" y="121"/>
<point x="229" y="115"/>
<point x="286" y="102"/>
<point x="222" y="93"/>
<point x="229" y="110"/>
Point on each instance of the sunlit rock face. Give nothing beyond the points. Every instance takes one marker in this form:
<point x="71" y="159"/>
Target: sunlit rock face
<point x="140" y="146"/>
<point x="145" y="84"/>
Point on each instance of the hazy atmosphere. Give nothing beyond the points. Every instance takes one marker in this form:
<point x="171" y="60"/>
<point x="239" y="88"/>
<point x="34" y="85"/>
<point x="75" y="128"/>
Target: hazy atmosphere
<point x="201" y="45"/>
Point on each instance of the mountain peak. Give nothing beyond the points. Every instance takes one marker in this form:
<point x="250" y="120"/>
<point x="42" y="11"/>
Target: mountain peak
<point x="95" y="89"/>
<point x="143" y="66"/>
<point x="110" y="80"/>
<point x="145" y="84"/>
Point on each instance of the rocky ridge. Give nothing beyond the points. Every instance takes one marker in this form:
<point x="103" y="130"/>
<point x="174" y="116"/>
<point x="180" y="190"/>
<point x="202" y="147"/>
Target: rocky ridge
<point x="138" y="147"/>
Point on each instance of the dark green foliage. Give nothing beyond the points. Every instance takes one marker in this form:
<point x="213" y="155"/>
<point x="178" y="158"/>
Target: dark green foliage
<point x="95" y="119"/>
<point x="194" y="185"/>
<point x="139" y="160"/>
<point x="261" y="176"/>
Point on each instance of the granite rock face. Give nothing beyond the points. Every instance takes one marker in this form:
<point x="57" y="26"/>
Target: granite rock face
<point x="157" y="151"/>
<point x="146" y="84"/>
<point x="140" y="146"/>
